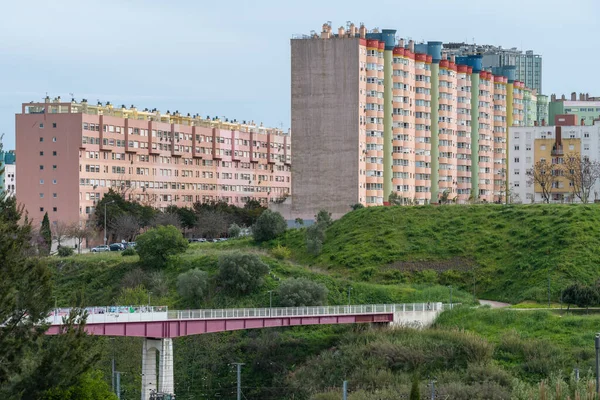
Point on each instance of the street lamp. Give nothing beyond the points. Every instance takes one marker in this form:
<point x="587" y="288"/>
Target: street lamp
<point x="270" y="301"/>
<point x="105" y="204"/>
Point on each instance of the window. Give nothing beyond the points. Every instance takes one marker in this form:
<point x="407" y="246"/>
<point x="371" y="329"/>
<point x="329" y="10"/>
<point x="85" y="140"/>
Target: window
<point x="54" y="209"/>
<point x="41" y="153"/>
<point x="41" y="125"/>
<point x="41" y="181"/>
<point x="55" y="195"/>
<point x="41" y="167"/>
<point x="41" y="195"/>
<point x="54" y="139"/>
<point x="516" y="147"/>
<point x="54" y="167"/>
<point x="41" y="139"/>
<point x="54" y="181"/>
<point x="543" y="147"/>
<point x="516" y="159"/>
<point x="516" y="172"/>
<point x="42" y="209"/>
<point x="54" y="153"/>
<point x="54" y="124"/>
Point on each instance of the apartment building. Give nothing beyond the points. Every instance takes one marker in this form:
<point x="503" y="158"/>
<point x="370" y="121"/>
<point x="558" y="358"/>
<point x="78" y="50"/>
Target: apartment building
<point x="373" y="114"/>
<point x="551" y="144"/>
<point x="8" y="179"/>
<point x="583" y="107"/>
<point x="76" y="151"/>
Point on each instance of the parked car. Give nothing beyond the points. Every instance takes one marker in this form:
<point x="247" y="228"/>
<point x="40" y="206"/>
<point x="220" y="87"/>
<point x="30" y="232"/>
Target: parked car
<point x="222" y="239"/>
<point x="100" y="249"/>
<point x="130" y="244"/>
<point x="116" y="247"/>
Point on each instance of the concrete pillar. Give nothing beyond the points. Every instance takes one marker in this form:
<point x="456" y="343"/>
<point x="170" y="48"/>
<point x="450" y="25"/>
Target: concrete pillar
<point x="162" y="382"/>
<point x="149" y="381"/>
<point x="166" y="384"/>
<point x="475" y="134"/>
<point x="388" y="36"/>
<point x="434" y="49"/>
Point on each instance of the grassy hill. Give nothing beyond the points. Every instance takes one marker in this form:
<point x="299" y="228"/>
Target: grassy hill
<point x="497" y="252"/>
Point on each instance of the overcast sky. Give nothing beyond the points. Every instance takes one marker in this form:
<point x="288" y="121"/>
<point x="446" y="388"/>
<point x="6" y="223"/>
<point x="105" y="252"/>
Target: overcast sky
<point x="232" y="58"/>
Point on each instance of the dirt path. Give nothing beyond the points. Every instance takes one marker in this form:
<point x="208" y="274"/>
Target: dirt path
<point x="493" y="304"/>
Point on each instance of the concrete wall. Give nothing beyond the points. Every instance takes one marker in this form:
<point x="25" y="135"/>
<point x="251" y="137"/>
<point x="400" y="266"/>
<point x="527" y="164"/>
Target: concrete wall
<point x="325" y="123"/>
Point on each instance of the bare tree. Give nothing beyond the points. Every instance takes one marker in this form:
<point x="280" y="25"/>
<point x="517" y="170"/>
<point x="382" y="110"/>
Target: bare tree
<point x="81" y="233"/>
<point x="60" y="232"/>
<point x="126" y="227"/>
<point x="211" y="223"/>
<point x="546" y="176"/>
<point x="582" y="174"/>
<point x="166" y="218"/>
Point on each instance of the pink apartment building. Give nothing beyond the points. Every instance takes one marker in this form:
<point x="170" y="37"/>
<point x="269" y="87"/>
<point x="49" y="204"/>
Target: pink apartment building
<point x="75" y="152"/>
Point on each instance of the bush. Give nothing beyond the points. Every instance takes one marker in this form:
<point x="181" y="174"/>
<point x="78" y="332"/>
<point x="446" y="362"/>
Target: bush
<point x="65" y="251"/>
<point x="128" y="252"/>
<point x="241" y="272"/>
<point x="281" y="252"/>
<point x="301" y="292"/>
<point x="193" y="286"/>
<point x="234" y="231"/>
<point x="324" y="217"/>
<point x="315" y="236"/>
<point x="157" y="245"/>
<point x="134" y="278"/>
<point x="356" y="206"/>
<point x="268" y="226"/>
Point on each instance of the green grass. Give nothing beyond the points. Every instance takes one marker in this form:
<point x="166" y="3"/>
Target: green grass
<point x="499" y="252"/>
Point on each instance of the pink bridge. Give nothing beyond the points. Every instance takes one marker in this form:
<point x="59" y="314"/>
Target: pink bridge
<point x="159" y="325"/>
<point x="159" y="322"/>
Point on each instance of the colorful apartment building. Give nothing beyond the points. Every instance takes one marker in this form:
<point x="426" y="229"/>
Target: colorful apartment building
<point x="8" y="179"/>
<point x="585" y="107"/>
<point x="551" y="144"/>
<point x="76" y="151"/>
<point x="374" y="115"/>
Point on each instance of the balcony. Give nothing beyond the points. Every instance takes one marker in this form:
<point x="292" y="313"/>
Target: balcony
<point x="557" y="151"/>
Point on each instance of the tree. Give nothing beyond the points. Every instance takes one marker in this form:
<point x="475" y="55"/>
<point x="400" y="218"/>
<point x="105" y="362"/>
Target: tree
<point x="299" y="222"/>
<point x="301" y="292"/>
<point x="32" y="365"/>
<point x="46" y="234"/>
<point x="394" y="199"/>
<point x="241" y="272"/>
<point x="234" y="231"/>
<point x="315" y="237"/>
<point x="80" y="231"/>
<point x="324" y="217"/>
<point x="127" y="227"/>
<point x="581" y="296"/>
<point x="445" y="197"/>
<point x="60" y="231"/>
<point x="544" y="175"/>
<point x="211" y="223"/>
<point x="167" y="218"/>
<point x="268" y="226"/>
<point x="356" y="206"/>
<point x="582" y="174"/>
<point x="157" y="245"/>
<point x="193" y="286"/>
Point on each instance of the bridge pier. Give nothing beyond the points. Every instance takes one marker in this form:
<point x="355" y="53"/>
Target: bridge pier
<point x="165" y="382"/>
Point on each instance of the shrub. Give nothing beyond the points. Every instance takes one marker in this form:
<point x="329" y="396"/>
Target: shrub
<point x="281" y="252"/>
<point x="193" y="286"/>
<point x="356" y="206"/>
<point x="157" y="245"/>
<point x="134" y="278"/>
<point x="241" y="272"/>
<point x="159" y="283"/>
<point x="128" y="252"/>
<point x="268" y="226"/>
<point x="323" y="217"/>
<point x="65" y="251"/>
<point x="234" y="230"/>
<point x="315" y="236"/>
<point x="301" y="293"/>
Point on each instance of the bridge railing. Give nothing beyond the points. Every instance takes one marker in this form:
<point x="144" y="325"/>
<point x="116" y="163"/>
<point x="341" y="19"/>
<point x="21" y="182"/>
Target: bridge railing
<point x="303" y="311"/>
<point x="146" y="313"/>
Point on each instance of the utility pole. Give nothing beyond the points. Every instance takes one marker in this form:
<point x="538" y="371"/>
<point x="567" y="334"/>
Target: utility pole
<point x="597" y="342"/>
<point x="548" y="290"/>
<point x="118" y="384"/>
<point x="239" y="379"/>
<point x="432" y="382"/>
<point x="345" y="391"/>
